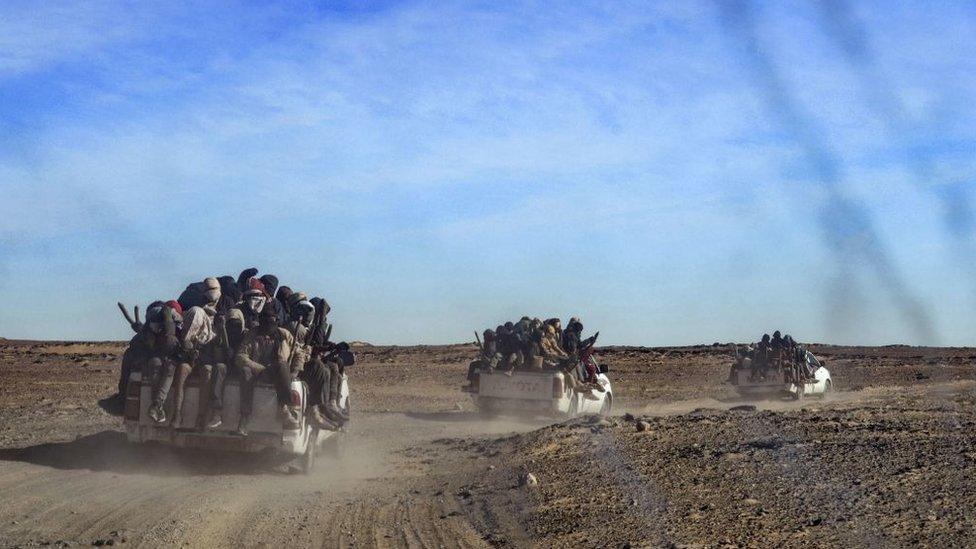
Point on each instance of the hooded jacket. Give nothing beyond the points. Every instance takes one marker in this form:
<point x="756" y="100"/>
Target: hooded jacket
<point x="198" y="329"/>
<point x="265" y="350"/>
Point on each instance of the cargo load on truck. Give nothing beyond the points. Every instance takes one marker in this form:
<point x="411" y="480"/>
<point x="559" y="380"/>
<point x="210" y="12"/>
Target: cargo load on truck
<point x="778" y="366"/>
<point x="536" y="366"/>
<point x="235" y="364"/>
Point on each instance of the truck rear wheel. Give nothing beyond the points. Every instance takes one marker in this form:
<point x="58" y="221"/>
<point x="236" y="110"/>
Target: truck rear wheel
<point x="607" y="406"/>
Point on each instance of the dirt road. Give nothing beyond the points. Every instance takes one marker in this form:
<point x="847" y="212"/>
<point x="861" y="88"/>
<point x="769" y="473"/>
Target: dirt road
<point x="379" y="492"/>
<point x="889" y="461"/>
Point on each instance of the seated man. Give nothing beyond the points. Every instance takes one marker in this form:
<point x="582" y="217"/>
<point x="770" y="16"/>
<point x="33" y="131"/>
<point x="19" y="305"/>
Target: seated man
<point x="534" y="355"/>
<point x="165" y="325"/>
<point x="266" y="351"/>
<point x="323" y="368"/>
<point x="743" y="361"/>
<point x="215" y="358"/>
<point x="760" y="362"/>
<point x="509" y="347"/>
<point x="134" y="359"/>
<point x="557" y="325"/>
<point x="777" y="347"/>
<point x="488" y="358"/>
<point x="323" y="374"/>
<point x="551" y="348"/>
<point x="244" y="317"/>
<point x="200" y="354"/>
<point x="577" y="365"/>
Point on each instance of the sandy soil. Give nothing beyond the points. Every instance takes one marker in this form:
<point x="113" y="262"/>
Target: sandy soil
<point x="888" y="461"/>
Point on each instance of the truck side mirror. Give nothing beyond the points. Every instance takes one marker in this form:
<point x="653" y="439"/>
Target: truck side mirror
<point x="604" y="368"/>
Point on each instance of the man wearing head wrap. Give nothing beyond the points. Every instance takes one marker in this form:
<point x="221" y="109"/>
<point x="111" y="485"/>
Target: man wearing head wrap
<point x="134" y="359"/>
<point x="209" y="359"/>
<point x="244" y="316"/>
<point x="488" y="357"/>
<point x="776" y="344"/>
<point x="164" y="321"/>
<point x="199" y="294"/>
<point x="198" y="351"/>
<point x="743" y="361"/>
<point x="230" y="294"/>
<point x="270" y="282"/>
<point x="532" y="347"/>
<point x="336" y="356"/>
<point x="282" y="295"/>
<point x="557" y="325"/>
<point x="551" y="348"/>
<point x="243" y="279"/>
<point x="761" y="359"/>
<point x="576" y="372"/>
<point x="317" y="360"/>
<point x="266" y="350"/>
<point x="299" y="323"/>
<point x="510" y="347"/>
<point x="572" y="337"/>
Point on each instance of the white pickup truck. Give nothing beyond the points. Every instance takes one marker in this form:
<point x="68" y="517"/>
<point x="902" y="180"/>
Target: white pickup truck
<point x="265" y="431"/>
<point x="537" y="393"/>
<point x="783" y="382"/>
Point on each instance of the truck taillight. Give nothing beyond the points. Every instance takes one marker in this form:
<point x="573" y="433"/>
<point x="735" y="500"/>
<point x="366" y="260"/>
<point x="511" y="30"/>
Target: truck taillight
<point x="296" y="398"/>
<point x="557" y="387"/>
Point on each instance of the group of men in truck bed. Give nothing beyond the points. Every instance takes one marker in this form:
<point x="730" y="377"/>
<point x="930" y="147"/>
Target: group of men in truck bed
<point x="534" y="344"/>
<point x="247" y="327"/>
<point x="780" y="354"/>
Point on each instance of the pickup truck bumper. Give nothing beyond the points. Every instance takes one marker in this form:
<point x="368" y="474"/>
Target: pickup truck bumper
<point x="287" y="442"/>
<point x="523" y="406"/>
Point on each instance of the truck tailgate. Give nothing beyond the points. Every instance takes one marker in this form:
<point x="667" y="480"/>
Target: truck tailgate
<point x="520" y="385"/>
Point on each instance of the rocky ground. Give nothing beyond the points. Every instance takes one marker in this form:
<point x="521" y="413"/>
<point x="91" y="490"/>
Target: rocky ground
<point x="887" y="461"/>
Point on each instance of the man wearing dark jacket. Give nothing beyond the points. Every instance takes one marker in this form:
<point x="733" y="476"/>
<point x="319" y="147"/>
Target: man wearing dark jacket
<point x="323" y="371"/>
<point x="230" y="294"/>
<point x="572" y="337"/>
<point x="266" y="350"/>
<point x="270" y="282"/>
<point x="137" y="354"/>
<point x="164" y="320"/>
<point x="510" y="347"/>
<point x="487" y="358"/>
<point x="762" y="357"/>
<point x="244" y="317"/>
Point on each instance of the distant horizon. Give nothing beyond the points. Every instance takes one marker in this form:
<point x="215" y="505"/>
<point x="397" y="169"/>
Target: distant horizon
<point x="669" y="171"/>
<point x="472" y="342"/>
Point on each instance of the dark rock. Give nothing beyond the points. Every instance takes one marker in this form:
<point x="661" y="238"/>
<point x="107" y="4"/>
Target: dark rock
<point x="743" y="408"/>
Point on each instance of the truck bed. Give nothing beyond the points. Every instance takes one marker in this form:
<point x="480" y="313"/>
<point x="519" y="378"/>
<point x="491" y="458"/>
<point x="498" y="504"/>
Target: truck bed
<point x="520" y="385"/>
<point x="265" y="431"/>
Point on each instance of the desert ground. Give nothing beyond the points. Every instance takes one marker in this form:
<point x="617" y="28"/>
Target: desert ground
<point x="888" y="460"/>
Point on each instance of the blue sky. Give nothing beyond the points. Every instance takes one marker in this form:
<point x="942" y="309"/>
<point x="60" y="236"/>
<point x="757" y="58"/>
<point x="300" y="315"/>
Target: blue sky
<point x="674" y="173"/>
